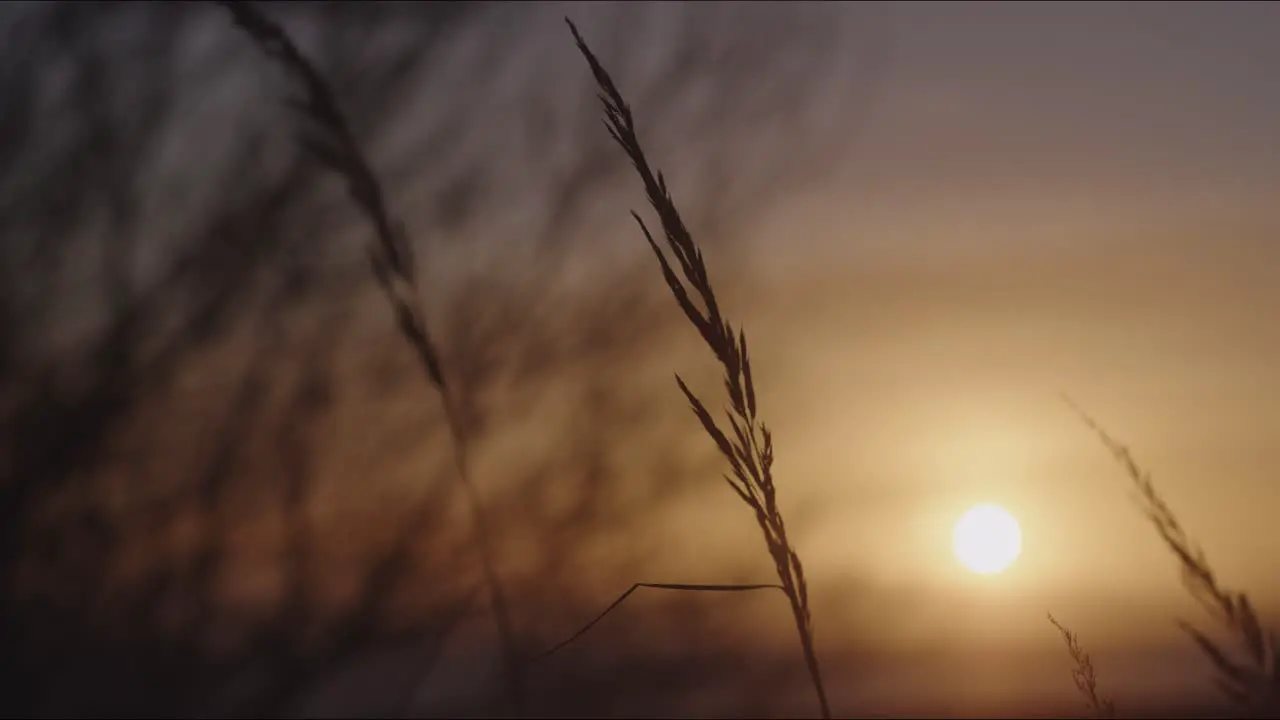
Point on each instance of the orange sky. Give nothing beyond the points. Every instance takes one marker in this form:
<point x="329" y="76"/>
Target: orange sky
<point x="931" y="218"/>
<point x="1039" y="200"/>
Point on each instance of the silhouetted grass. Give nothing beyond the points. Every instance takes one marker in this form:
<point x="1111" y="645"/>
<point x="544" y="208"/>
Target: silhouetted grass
<point x="1085" y="678"/>
<point x="331" y="141"/>
<point x="1252" y="683"/>
<point x="750" y="451"/>
<point x="746" y="443"/>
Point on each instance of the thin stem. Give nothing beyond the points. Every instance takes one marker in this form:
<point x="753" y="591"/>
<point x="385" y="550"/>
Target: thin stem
<point x="656" y="586"/>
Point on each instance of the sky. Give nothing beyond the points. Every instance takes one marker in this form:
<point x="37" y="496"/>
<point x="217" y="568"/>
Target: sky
<point x="933" y="220"/>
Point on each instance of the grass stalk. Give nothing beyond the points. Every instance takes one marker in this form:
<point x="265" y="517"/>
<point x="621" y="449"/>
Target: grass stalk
<point x="391" y="258"/>
<point x="750" y="451"/>
<point x="1083" y="674"/>
<point x="1253" y="683"/>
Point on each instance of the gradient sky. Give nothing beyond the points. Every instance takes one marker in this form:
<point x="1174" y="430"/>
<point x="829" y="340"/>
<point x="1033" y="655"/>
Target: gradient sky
<point x="1031" y="199"/>
<point x="1045" y="197"/>
<point x="932" y="219"/>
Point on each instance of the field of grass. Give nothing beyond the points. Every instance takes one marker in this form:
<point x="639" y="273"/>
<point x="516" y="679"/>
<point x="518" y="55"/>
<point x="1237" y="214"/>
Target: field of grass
<point x="1245" y="666"/>
<point x="746" y="444"/>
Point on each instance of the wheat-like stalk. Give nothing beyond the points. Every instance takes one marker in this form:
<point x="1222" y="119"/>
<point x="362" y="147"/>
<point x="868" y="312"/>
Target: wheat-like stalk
<point x="331" y="141"/>
<point x="1253" y="684"/>
<point x="1083" y="674"/>
<point x="750" y="451"/>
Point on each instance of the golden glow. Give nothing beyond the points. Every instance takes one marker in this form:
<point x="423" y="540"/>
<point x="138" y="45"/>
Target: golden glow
<point x="987" y="539"/>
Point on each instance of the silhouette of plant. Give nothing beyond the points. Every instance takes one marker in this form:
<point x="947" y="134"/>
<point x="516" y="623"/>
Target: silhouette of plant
<point x="750" y="452"/>
<point x="1252" y="684"/>
<point x="1083" y="674"/>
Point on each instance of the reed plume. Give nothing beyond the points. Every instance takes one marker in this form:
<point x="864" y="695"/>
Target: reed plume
<point x="750" y="450"/>
<point x="1253" y="683"/>
<point x="1083" y="674"/>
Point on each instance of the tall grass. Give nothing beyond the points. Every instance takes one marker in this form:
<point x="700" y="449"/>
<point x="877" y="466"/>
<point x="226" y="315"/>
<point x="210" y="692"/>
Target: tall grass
<point x="750" y="450"/>
<point x="330" y="140"/>
<point x="1249" y="676"/>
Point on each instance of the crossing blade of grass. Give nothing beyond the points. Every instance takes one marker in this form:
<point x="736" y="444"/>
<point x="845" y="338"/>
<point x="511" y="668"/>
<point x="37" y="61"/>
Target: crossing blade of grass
<point x="331" y="141"/>
<point x="749" y="451"/>
<point x="655" y="586"/>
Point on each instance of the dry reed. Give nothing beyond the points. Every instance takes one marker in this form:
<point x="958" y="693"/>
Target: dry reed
<point x="1252" y="684"/>
<point x="390" y="255"/>
<point x="750" y="451"/>
<point x="1083" y="674"/>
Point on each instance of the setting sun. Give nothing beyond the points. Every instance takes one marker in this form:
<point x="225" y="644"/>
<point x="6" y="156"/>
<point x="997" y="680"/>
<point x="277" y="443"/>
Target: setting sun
<point x="987" y="539"/>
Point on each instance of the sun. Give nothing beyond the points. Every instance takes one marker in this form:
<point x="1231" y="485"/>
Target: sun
<point x="987" y="539"/>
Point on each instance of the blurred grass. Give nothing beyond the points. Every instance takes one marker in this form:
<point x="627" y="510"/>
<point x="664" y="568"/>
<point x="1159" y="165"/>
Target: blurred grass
<point x="1248" y="674"/>
<point x="1247" y="671"/>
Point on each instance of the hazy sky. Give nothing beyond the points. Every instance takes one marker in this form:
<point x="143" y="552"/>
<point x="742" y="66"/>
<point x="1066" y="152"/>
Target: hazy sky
<point x="932" y="218"/>
<point x="1046" y="197"/>
<point x="1022" y="200"/>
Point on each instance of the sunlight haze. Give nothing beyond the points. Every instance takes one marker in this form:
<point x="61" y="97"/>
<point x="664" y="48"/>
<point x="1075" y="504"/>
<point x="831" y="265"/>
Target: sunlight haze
<point x="935" y="222"/>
